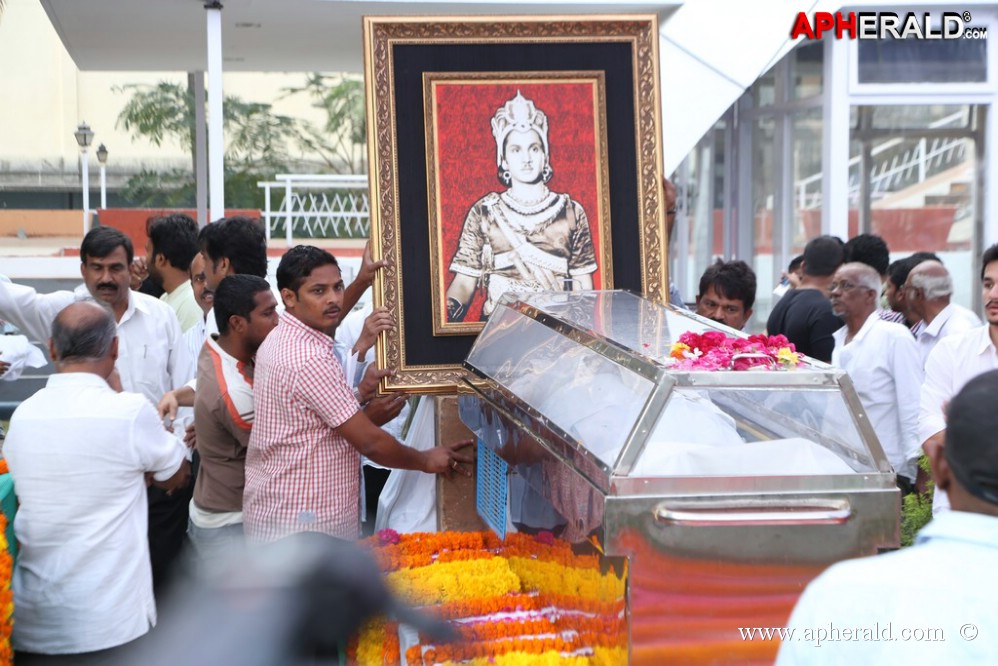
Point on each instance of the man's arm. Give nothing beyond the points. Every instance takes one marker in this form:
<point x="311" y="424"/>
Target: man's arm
<point x="31" y="312"/>
<point x="906" y="368"/>
<point x="159" y="453"/>
<point x="376" y="444"/>
<point x="173" y="400"/>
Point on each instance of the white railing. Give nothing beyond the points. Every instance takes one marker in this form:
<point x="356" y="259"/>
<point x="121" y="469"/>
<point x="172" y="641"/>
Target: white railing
<point x="317" y="206"/>
<point x="912" y="165"/>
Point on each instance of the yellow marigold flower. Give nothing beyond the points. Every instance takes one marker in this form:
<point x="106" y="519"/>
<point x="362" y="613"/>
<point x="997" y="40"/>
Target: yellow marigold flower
<point x="679" y="350"/>
<point x="786" y="357"/>
<point x="554" y="577"/>
<point x="451" y="581"/>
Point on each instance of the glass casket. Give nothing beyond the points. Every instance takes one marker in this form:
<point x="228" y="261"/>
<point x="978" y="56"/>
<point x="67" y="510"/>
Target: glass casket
<point x="727" y="491"/>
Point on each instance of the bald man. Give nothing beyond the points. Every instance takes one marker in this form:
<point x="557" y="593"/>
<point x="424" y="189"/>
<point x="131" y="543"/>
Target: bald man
<point x="927" y="292"/>
<point x="79" y="452"/>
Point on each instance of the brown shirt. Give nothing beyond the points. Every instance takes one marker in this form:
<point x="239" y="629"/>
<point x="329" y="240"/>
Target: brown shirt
<point x="223" y="417"/>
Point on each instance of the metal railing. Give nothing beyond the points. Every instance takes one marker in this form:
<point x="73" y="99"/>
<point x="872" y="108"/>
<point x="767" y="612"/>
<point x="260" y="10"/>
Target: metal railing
<point x="317" y="206"/>
<point x="894" y="167"/>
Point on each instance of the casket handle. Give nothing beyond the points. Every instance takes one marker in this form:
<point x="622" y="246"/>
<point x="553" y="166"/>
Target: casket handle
<point x="757" y="511"/>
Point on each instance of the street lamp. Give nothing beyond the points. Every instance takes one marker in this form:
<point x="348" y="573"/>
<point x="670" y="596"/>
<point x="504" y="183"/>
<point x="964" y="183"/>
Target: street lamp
<point x="102" y="158"/>
<point x="84" y="136"/>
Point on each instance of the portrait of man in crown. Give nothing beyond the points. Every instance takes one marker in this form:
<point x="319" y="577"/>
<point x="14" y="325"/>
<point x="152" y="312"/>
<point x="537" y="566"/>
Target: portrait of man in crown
<point x="526" y="235"/>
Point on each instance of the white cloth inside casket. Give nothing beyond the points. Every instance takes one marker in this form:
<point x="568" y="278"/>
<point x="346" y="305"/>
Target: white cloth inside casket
<point x="695" y="438"/>
<point x="596" y="403"/>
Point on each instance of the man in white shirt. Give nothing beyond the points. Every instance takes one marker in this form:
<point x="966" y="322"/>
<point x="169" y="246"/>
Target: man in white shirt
<point x="79" y="453"/>
<point x="882" y="361"/>
<point x="172" y="244"/>
<point x="953" y="362"/>
<point x="194" y="338"/>
<point x="927" y="290"/>
<point x="152" y="358"/>
<point x="864" y="611"/>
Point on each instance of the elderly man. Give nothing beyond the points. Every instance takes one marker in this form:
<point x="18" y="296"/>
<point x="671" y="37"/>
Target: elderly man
<point x="727" y="293"/>
<point x="152" y="358"/>
<point x="893" y="295"/>
<point x="950" y="620"/>
<point x="882" y="360"/>
<point x="871" y="249"/>
<point x="927" y="292"/>
<point x="79" y="453"/>
<point x="303" y="459"/>
<point x="955" y="361"/>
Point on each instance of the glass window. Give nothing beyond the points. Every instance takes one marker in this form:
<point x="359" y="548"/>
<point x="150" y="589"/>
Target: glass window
<point x="912" y="60"/>
<point x="807" y="142"/>
<point x="764" y="90"/>
<point x="806" y="70"/>
<point x="765" y="169"/>
<point x="912" y="116"/>
<point x="921" y="177"/>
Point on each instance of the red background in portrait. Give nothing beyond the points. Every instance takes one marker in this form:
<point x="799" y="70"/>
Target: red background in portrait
<point x="466" y="156"/>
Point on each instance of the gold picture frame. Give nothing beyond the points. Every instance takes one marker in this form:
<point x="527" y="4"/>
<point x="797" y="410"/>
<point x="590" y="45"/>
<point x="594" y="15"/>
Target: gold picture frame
<point x="420" y="193"/>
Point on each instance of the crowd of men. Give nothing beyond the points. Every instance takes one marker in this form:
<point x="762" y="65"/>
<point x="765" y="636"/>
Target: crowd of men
<point x="218" y="411"/>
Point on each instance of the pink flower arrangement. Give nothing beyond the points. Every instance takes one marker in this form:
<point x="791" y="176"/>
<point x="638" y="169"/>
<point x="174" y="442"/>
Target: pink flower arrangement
<point x="714" y="350"/>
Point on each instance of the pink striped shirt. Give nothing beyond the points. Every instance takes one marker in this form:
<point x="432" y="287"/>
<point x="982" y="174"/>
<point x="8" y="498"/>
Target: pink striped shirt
<point x="301" y="474"/>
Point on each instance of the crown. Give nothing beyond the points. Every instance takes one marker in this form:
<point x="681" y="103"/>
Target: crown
<point x="521" y="115"/>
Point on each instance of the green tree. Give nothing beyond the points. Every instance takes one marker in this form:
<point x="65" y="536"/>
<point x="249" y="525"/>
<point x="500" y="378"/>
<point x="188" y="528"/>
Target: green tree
<point x="259" y="142"/>
<point x="341" y="141"/>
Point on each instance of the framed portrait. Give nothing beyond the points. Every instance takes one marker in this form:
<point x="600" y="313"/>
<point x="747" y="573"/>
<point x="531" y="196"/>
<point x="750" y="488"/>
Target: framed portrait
<point x="507" y="154"/>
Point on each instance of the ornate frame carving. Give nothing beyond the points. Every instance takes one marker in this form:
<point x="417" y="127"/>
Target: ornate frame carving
<point x="398" y="51"/>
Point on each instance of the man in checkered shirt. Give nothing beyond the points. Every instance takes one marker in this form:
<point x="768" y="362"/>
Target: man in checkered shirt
<point x="303" y="459"/>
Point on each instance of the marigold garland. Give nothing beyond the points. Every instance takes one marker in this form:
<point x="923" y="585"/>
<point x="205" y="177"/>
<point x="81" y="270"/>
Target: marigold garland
<point x="525" y="599"/>
<point x="6" y="595"/>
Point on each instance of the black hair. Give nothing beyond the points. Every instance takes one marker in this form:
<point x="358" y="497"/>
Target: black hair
<point x="971" y="422"/>
<point x="85" y="337"/>
<point x="990" y="254"/>
<point x="731" y="279"/>
<point x="823" y="256"/>
<point x="176" y="238"/>
<point x="868" y="249"/>
<point x="241" y="240"/>
<point x="236" y="295"/>
<point x="898" y="271"/>
<point x="795" y="263"/>
<point x="102" y="241"/>
<point x="298" y="263"/>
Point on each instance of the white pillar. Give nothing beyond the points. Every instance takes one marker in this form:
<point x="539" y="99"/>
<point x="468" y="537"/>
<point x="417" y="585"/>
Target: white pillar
<point x="216" y="143"/>
<point x="85" y="173"/>
<point x="835" y="140"/>
<point x="103" y="186"/>
<point x="200" y="149"/>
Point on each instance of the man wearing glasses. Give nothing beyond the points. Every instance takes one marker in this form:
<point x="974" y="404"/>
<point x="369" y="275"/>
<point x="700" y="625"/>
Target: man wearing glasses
<point x="882" y="360"/>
